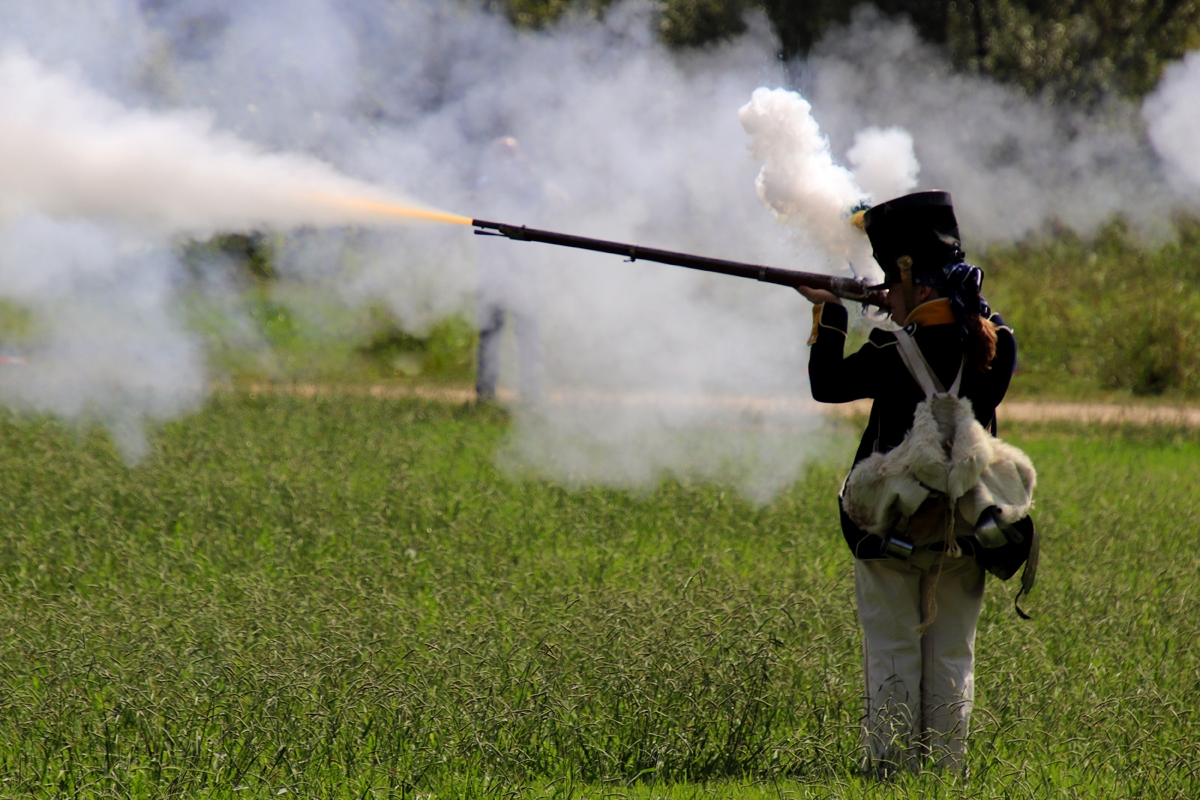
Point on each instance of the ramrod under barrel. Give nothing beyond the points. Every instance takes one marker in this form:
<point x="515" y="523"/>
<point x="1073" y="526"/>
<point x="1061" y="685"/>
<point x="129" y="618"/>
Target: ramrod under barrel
<point x="855" y="289"/>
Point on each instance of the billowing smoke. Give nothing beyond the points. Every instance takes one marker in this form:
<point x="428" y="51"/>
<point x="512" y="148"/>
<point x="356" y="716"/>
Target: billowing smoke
<point x="91" y="193"/>
<point x="110" y="346"/>
<point x="799" y="181"/>
<point x="1172" y="116"/>
<point x="647" y="368"/>
<point x="79" y="154"/>
<point x="1012" y="162"/>
<point x="883" y="162"/>
<point x="803" y="186"/>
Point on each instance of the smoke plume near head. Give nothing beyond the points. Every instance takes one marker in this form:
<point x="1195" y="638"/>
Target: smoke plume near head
<point x="883" y="162"/>
<point x="799" y="181"/>
<point x="803" y="186"/>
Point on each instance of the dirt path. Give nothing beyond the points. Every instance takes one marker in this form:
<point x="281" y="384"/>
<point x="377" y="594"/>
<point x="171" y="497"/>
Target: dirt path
<point x="1102" y="413"/>
<point x="1021" y="411"/>
<point x="1090" y="413"/>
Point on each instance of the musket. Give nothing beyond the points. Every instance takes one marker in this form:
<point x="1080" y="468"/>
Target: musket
<point x="856" y="289"/>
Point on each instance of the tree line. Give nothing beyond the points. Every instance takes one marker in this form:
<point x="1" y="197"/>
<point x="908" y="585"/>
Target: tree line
<point x="1080" y="50"/>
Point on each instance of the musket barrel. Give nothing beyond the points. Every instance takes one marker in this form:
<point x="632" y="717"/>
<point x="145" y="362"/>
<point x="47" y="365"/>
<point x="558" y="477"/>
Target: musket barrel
<point x="849" y="288"/>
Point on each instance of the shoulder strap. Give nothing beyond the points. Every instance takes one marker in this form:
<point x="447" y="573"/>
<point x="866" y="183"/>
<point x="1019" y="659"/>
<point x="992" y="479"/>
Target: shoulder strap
<point x="919" y="368"/>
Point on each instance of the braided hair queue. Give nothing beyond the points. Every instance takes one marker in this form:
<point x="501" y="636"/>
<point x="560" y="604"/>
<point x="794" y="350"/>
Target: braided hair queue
<point x="962" y="283"/>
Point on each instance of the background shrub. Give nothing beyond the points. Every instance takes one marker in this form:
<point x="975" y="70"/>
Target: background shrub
<point x="1105" y="313"/>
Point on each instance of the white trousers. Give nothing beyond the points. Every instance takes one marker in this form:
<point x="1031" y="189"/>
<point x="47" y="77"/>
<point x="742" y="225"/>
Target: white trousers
<point x="919" y="686"/>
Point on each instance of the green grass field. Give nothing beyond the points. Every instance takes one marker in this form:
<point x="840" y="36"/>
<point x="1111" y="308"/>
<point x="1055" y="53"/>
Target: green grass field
<point x="343" y="598"/>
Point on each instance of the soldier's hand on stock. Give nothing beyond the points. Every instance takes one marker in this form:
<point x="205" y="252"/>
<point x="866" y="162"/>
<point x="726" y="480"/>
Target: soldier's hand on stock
<point x="819" y="295"/>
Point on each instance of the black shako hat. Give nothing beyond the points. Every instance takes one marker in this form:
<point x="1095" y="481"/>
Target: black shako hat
<point x="920" y="226"/>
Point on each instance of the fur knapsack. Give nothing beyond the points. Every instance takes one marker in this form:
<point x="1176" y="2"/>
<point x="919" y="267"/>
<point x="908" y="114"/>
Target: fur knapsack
<point x="948" y="458"/>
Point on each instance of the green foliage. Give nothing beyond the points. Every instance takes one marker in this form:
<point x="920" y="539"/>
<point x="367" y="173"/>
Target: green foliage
<point x="1105" y="314"/>
<point x="1075" y="49"/>
<point x="1155" y="349"/>
<point x="446" y="351"/>
<point x="800" y="23"/>
<point x="278" y="329"/>
<point x="450" y="349"/>
<point x="536" y="14"/>
<point x="1079" y="49"/>
<point x="253" y="254"/>
<point x="391" y="344"/>
<point x="285" y="331"/>
<point x="17" y="323"/>
<point x="681" y="23"/>
<point x="691" y="23"/>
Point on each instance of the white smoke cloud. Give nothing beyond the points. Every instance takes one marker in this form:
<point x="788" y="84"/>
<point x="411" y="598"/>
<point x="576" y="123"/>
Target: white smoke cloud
<point x="883" y="162"/>
<point x="1172" y="115"/>
<point x="799" y="181"/>
<point x="92" y="193"/>
<point x="1012" y="162"/>
<point x="803" y="186"/>
<point x="80" y="154"/>
<point x="112" y="346"/>
<point x="638" y="143"/>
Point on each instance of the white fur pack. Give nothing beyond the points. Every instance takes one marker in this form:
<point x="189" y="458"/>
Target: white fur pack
<point x="978" y="472"/>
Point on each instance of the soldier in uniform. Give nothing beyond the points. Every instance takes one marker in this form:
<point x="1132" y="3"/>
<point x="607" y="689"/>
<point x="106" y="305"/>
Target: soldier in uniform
<point x="918" y="664"/>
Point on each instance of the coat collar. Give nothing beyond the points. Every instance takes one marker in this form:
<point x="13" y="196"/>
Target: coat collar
<point x="932" y="312"/>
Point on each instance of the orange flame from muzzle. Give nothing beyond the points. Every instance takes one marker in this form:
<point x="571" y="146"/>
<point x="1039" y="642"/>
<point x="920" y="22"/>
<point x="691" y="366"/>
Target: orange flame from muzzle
<point x="395" y="210"/>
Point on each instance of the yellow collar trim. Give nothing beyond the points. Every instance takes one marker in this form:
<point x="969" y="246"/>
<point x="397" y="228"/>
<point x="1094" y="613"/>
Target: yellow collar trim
<point x="931" y="312"/>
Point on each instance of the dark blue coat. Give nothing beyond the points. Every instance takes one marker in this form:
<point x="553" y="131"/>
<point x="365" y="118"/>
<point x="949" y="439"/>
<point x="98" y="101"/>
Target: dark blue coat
<point x="876" y="372"/>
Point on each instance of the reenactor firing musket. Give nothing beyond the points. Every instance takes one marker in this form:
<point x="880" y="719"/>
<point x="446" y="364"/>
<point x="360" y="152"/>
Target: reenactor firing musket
<point x="856" y="289"/>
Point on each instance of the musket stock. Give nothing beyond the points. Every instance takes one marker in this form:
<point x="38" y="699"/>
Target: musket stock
<point x="855" y="289"/>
